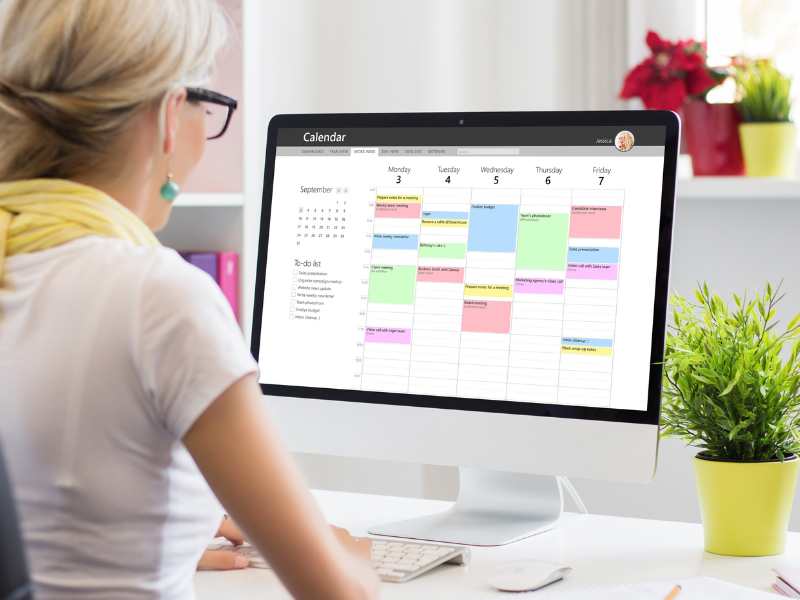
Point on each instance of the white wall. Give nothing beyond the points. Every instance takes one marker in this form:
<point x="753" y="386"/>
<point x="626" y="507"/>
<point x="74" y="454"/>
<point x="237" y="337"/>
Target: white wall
<point x="734" y="245"/>
<point x="382" y="55"/>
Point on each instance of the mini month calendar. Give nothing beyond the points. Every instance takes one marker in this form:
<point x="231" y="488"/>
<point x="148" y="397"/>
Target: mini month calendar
<point x="323" y="217"/>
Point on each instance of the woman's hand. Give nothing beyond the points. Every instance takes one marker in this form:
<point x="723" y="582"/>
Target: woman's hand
<point x="228" y="560"/>
<point x="225" y="560"/>
<point x="230" y="531"/>
<point x="361" y="547"/>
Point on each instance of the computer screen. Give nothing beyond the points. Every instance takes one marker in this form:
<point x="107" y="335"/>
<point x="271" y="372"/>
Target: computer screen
<point x="471" y="266"/>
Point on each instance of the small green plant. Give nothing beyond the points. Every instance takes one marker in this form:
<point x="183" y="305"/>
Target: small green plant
<point x="764" y="92"/>
<point x="726" y="387"/>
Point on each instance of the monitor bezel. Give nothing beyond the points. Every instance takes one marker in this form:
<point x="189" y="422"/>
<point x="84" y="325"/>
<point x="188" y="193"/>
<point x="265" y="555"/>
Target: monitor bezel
<point x="623" y="119"/>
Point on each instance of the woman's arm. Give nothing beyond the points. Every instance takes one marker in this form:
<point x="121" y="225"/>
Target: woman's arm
<point x="239" y="454"/>
<point x="225" y="560"/>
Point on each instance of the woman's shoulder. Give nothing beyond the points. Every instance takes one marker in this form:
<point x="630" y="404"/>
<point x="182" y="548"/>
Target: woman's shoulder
<point x="165" y="273"/>
<point x="156" y="270"/>
<point x="169" y="273"/>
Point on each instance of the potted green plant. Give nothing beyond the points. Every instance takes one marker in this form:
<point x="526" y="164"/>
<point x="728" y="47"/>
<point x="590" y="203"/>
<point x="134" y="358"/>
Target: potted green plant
<point x="730" y="391"/>
<point x="767" y="133"/>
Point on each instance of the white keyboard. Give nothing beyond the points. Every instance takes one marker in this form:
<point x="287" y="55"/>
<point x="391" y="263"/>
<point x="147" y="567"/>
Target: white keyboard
<point x="398" y="562"/>
<point x="394" y="561"/>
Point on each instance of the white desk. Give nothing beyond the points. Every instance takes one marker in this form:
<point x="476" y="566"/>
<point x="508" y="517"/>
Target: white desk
<point x="601" y="550"/>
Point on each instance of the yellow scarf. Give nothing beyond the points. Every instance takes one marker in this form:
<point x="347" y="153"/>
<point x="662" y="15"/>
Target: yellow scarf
<point x="37" y="214"/>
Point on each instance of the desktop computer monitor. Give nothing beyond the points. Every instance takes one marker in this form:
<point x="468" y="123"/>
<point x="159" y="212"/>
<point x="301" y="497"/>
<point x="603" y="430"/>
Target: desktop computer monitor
<point x="484" y="290"/>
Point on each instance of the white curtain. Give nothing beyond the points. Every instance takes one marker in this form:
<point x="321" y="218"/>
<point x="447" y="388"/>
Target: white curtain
<point x="387" y="55"/>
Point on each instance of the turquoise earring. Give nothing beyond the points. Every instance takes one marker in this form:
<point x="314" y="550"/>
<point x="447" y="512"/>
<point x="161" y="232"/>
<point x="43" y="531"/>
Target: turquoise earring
<point x="170" y="190"/>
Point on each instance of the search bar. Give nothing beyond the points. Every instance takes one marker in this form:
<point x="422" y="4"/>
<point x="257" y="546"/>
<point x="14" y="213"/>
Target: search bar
<point x="491" y="151"/>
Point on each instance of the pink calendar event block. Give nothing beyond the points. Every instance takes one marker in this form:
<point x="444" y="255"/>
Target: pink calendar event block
<point x="440" y="274"/>
<point x="398" y="210"/>
<point x="387" y="335"/>
<point x="486" y="316"/>
<point x="595" y="222"/>
<point x="592" y="271"/>
<point x="538" y="286"/>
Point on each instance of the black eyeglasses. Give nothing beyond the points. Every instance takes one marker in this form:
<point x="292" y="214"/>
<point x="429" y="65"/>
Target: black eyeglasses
<point x="218" y="115"/>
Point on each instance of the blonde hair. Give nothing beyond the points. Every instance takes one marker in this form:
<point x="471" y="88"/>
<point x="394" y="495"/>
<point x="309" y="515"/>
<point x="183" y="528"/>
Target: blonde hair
<point x="73" y="73"/>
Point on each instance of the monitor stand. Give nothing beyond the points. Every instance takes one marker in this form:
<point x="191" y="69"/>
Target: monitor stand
<point x="493" y="508"/>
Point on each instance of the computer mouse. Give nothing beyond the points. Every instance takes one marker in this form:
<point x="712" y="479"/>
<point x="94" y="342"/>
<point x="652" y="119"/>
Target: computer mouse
<point x="526" y="575"/>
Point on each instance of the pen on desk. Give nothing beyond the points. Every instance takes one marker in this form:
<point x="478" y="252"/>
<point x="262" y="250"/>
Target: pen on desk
<point x="673" y="593"/>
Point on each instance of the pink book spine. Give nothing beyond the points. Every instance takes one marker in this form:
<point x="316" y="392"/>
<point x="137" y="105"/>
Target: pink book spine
<point x="228" y="273"/>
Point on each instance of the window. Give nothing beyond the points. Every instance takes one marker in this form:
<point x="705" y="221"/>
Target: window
<point x="754" y="28"/>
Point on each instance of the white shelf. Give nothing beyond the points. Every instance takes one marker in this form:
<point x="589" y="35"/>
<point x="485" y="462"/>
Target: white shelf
<point x="728" y="188"/>
<point x="209" y="200"/>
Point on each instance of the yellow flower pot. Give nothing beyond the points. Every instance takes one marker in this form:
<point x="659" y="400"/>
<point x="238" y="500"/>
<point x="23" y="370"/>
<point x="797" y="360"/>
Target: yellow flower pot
<point x="768" y="149"/>
<point x="745" y="505"/>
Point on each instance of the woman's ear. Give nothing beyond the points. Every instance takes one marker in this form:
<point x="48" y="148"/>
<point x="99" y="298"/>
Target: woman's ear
<point x="172" y="111"/>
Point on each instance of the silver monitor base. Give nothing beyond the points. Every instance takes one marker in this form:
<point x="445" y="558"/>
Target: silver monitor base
<point x="493" y="508"/>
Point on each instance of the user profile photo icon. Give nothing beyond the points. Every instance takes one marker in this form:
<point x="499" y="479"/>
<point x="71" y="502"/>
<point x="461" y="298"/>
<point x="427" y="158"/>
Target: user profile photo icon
<point x="624" y="141"/>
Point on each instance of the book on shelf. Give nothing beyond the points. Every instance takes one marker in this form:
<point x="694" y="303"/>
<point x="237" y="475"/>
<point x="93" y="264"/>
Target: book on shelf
<point x="222" y="267"/>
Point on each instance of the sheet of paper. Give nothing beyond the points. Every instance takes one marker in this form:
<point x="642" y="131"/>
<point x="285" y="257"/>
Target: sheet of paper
<point x="697" y="588"/>
<point x="791" y="581"/>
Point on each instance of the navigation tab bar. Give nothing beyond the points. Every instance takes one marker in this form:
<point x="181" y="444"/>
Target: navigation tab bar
<point x="482" y="151"/>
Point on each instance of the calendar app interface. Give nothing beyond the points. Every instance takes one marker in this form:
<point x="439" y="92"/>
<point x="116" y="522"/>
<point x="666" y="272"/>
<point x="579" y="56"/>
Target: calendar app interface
<point x="501" y="263"/>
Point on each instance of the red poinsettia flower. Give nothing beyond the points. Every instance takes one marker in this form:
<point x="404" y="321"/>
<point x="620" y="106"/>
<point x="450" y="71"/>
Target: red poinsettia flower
<point x="674" y="71"/>
<point x="699" y="81"/>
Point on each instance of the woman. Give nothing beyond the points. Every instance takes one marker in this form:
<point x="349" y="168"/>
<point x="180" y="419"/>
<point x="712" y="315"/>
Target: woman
<point x="125" y="387"/>
<point x="624" y="141"/>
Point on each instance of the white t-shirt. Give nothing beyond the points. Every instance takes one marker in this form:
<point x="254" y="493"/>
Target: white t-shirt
<point x="108" y="354"/>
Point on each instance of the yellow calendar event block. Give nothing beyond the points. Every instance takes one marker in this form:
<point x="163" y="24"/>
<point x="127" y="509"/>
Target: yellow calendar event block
<point x="593" y="350"/>
<point x="487" y="290"/>
<point x="403" y="198"/>
<point x="444" y="223"/>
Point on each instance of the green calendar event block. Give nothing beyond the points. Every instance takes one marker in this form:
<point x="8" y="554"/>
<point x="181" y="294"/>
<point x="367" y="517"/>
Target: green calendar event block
<point x="542" y="241"/>
<point x="442" y="250"/>
<point x="392" y="284"/>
